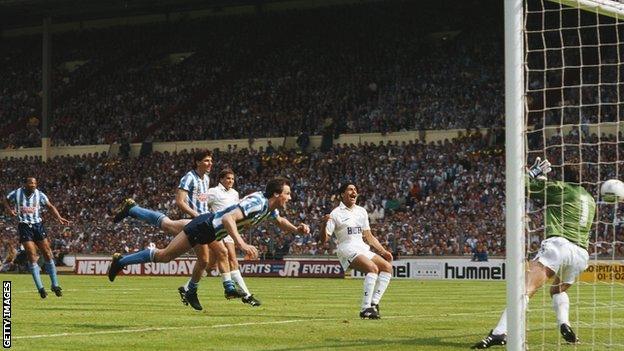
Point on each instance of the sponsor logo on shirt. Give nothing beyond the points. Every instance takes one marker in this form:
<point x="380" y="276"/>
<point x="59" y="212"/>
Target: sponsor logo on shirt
<point x="29" y="209"/>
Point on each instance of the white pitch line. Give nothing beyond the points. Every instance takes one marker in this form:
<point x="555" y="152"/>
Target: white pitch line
<point x="162" y="328"/>
<point x="234" y="325"/>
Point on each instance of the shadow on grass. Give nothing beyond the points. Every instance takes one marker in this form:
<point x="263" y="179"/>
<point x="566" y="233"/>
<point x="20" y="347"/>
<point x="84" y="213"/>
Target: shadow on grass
<point x="335" y="344"/>
<point x="84" y="327"/>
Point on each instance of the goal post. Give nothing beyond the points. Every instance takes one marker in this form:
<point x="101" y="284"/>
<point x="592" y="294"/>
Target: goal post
<point x="514" y="172"/>
<point x="564" y="98"/>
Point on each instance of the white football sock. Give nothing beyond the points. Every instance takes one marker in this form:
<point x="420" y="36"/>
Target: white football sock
<point x="380" y="287"/>
<point x="501" y="327"/>
<point x="238" y="279"/>
<point x="561" y="305"/>
<point x="369" y="287"/>
<point x="226" y="276"/>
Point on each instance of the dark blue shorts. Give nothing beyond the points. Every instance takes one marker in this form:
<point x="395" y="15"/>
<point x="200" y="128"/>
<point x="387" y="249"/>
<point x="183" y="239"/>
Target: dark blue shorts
<point x="200" y="230"/>
<point x="31" y="232"/>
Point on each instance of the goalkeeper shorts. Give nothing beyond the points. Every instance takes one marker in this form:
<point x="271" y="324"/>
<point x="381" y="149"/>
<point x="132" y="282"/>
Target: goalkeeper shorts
<point x="566" y="259"/>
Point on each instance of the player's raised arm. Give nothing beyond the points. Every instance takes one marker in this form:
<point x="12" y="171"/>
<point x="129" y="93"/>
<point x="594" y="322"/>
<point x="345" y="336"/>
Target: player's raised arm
<point x="229" y="223"/>
<point x="536" y="178"/>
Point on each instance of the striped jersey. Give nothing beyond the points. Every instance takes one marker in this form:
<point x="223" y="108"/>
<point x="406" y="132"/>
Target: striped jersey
<point x="197" y="189"/>
<point x="28" y="207"/>
<point x="220" y="198"/>
<point x="255" y="209"/>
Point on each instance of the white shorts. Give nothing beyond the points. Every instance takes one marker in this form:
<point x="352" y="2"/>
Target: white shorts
<point x="566" y="259"/>
<point x="228" y="239"/>
<point x="347" y="252"/>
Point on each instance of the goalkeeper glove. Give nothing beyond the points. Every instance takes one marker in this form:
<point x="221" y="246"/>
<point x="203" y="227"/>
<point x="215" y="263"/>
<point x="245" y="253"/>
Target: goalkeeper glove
<point x="540" y="168"/>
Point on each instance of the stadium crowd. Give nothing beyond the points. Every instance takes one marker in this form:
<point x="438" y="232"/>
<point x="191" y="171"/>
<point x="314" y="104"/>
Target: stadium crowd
<point x="255" y="76"/>
<point x="444" y="198"/>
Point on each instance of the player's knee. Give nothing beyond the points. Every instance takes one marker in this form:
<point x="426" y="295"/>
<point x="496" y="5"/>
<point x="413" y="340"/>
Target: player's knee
<point x="385" y="267"/>
<point x="221" y="252"/>
<point x="47" y="255"/>
<point x="163" y="256"/>
<point x="373" y="269"/>
<point x="233" y="263"/>
<point x="202" y="262"/>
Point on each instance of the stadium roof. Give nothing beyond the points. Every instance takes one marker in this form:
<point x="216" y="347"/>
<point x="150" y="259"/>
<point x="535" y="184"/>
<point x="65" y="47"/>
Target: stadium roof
<point x="23" y="13"/>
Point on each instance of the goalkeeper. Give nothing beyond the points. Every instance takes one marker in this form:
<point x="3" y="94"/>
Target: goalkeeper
<point x="563" y="254"/>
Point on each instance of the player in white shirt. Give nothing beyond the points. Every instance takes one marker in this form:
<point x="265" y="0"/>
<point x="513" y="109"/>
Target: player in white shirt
<point x="349" y="224"/>
<point x="219" y="198"/>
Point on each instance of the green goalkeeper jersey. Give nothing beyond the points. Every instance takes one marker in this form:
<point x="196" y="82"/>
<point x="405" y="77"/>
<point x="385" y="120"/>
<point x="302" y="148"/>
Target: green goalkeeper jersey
<point x="570" y="209"/>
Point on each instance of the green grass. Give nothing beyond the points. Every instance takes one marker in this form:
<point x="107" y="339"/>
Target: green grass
<point x="144" y="313"/>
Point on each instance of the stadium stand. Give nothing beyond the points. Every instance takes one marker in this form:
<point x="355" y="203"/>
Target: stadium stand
<point x="247" y="77"/>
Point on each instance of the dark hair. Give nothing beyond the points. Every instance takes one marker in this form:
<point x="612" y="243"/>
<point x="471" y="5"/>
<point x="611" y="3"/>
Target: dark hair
<point x="571" y="173"/>
<point x="28" y="178"/>
<point x="275" y="186"/>
<point x="200" y="155"/>
<point x="225" y="172"/>
<point x="344" y="186"/>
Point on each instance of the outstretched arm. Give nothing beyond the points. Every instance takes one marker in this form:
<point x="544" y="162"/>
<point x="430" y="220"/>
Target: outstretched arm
<point x="229" y="223"/>
<point x="56" y="213"/>
<point x="285" y="225"/>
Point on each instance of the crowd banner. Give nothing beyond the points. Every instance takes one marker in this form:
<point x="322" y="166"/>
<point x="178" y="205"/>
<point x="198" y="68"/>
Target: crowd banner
<point x="184" y="267"/>
<point x="603" y="271"/>
<point x="423" y="269"/>
<point x="446" y="269"/>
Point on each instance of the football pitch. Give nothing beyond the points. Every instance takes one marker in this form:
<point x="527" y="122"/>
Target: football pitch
<point x="145" y="313"/>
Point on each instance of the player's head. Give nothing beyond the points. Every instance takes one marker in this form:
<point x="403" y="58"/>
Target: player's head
<point x="572" y="173"/>
<point x="348" y="194"/>
<point x="30" y="184"/>
<point x="278" y="189"/>
<point x="226" y="178"/>
<point x="202" y="161"/>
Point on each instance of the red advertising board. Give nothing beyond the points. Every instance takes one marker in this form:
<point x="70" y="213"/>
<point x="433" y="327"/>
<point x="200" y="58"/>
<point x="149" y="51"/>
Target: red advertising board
<point x="184" y="267"/>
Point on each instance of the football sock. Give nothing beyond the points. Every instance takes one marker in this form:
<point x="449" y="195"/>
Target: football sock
<point x="238" y="279"/>
<point x="369" y="287"/>
<point x="51" y="269"/>
<point x="143" y="256"/>
<point x="35" y="270"/>
<point x="192" y="286"/>
<point x="501" y="327"/>
<point x="228" y="284"/>
<point x="380" y="287"/>
<point x="146" y="215"/>
<point x="561" y="305"/>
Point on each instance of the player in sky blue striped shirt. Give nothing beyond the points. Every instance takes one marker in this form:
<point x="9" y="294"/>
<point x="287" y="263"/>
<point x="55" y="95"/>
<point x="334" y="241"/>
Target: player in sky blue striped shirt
<point x="192" y="200"/>
<point x="27" y="202"/>
<point x="192" y="194"/>
<point x="211" y="227"/>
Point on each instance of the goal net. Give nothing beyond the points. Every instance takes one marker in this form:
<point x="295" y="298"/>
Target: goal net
<point x="573" y="95"/>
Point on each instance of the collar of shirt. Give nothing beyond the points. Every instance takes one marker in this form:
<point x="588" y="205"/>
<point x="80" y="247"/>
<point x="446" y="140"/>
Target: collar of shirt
<point x="29" y="195"/>
<point x="221" y="187"/>
<point x="344" y="207"/>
